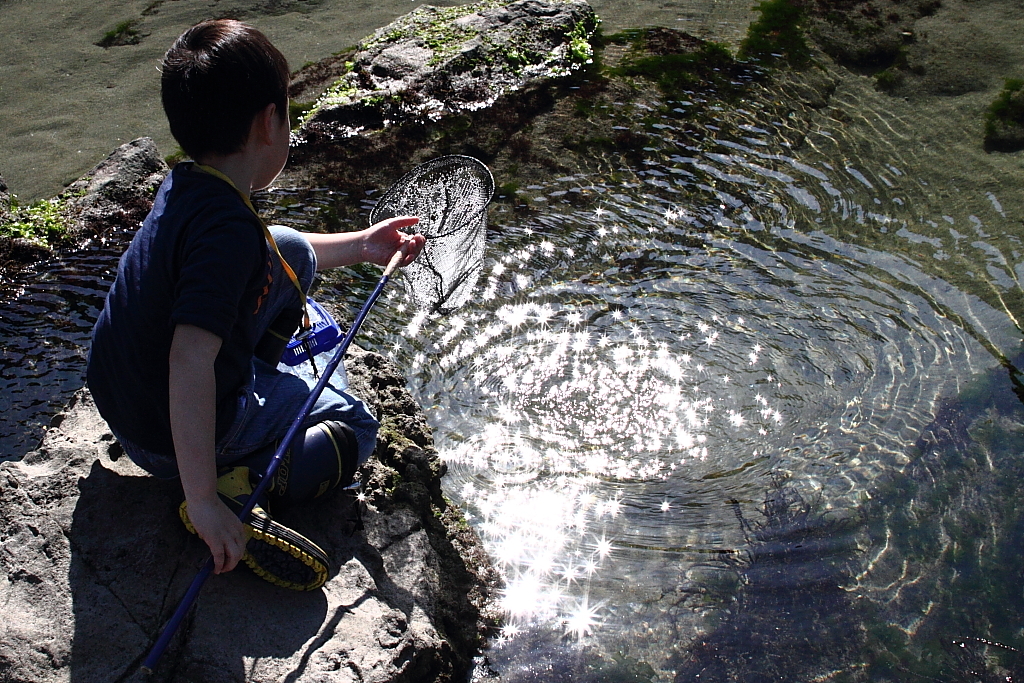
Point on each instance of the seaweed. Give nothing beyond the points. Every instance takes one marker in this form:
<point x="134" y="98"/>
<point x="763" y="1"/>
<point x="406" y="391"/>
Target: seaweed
<point x="679" y="63"/>
<point x="1004" y="120"/>
<point x="124" y="33"/>
<point x="777" y="35"/>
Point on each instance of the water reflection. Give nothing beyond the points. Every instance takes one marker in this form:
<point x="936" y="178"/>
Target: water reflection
<point x="651" y="349"/>
<point x="46" y="318"/>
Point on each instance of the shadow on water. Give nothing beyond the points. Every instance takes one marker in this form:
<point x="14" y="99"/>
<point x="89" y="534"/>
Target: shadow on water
<point x="793" y="618"/>
<point x="922" y="585"/>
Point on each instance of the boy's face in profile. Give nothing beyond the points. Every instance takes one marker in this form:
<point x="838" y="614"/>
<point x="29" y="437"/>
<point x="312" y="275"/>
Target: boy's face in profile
<point x="274" y="156"/>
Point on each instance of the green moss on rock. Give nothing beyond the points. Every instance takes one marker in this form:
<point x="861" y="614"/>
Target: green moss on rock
<point x="435" y="26"/>
<point x="46" y="222"/>
<point x="1004" y="120"/>
<point x="777" y="35"/>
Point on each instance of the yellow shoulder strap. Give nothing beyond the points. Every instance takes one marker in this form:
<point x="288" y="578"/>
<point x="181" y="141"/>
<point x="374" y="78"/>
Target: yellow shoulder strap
<point x="306" y="325"/>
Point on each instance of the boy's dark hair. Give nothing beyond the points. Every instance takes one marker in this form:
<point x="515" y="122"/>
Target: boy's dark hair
<point x="216" y="77"/>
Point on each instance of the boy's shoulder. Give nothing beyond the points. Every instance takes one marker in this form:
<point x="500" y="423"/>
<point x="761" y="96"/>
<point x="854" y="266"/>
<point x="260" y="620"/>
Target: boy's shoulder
<point x="198" y="202"/>
<point x="186" y="183"/>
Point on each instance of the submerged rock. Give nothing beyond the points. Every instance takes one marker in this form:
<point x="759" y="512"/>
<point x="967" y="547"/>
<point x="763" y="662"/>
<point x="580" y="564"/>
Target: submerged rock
<point x="434" y="76"/>
<point x="1004" y="123"/>
<point x="95" y="560"/>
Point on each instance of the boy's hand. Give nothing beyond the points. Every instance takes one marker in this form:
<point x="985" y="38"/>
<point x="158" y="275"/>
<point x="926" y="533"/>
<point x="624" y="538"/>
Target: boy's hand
<point x="382" y="240"/>
<point x="221" y="529"/>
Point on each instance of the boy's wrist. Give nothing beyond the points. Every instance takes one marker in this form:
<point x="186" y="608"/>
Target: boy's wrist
<point x="202" y="497"/>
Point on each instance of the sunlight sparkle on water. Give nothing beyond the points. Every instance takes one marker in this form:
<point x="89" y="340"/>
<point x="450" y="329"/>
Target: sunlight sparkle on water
<point x="576" y="397"/>
<point x="582" y="619"/>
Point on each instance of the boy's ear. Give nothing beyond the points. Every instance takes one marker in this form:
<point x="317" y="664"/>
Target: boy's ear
<point x="263" y="125"/>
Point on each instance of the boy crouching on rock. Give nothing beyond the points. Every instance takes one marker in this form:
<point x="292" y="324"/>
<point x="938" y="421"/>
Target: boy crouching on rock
<point x="183" y="364"/>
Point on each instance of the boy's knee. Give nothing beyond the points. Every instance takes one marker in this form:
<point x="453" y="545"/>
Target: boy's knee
<point x="297" y="251"/>
<point x="366" y="438"/>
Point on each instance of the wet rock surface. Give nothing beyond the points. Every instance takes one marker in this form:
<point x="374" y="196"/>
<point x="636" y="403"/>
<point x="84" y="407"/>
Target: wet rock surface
<point x="444" y="74"/>
<point x="95" y="560"/>
<point x="437" y="62"/>
<point x="868" y="33"/>
<point x="119" y="191"/>
<point x="921" y="48"/>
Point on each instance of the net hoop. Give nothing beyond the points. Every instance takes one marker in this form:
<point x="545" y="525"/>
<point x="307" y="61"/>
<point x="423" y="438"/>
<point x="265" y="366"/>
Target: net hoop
<point x="450" y="195"/>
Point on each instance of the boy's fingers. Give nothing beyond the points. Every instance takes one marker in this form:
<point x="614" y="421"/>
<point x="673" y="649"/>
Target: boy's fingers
<point x="405" y="221"/>
<point x="237" y="549"/>
<point x="218" y="559"/>
<point x="399" y="222"/>
<point x="413" y="248"/>
<point x="230" y="560"/>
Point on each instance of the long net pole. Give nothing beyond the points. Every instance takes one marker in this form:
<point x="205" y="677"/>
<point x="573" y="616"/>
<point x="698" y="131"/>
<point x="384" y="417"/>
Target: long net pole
<point x="197" y="583"/>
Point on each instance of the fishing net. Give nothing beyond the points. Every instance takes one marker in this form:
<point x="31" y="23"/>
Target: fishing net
<point x="450" y="195"/>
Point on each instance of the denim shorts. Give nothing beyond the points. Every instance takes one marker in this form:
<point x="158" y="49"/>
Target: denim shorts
<point x="266" y="409"/>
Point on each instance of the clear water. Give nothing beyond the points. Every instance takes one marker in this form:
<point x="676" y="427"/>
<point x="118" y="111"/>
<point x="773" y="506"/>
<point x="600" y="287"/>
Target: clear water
<point x="46" y="318"/>
<point x="732" y="394"/>
<point x="742" y="409"/>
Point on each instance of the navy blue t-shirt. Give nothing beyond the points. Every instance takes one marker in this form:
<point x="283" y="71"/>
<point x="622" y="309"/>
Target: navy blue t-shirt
<point x="200" y="258"/>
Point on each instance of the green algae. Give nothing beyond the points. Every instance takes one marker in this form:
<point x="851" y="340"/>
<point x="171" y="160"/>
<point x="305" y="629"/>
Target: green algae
<point x="461" y="48"/>
<point x="888" y="79"/>
<point x="777" y="35"/>
<point x="174" y="157"/>
<point x="125" y="33"/>
<point x="580" y="49"/>
<point x="297" y="112"/>
<point x="435" y="26"/>
<point x="1006" y="112"/>
<point x="45" y="222"/>
<point x="675" y="73"/>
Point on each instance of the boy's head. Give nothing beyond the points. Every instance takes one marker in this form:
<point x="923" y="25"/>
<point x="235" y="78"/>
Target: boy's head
<point x="216" y="77"/>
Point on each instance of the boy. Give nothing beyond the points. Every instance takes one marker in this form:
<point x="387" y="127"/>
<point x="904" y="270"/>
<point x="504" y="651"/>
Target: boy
<point x="183" y="360"/>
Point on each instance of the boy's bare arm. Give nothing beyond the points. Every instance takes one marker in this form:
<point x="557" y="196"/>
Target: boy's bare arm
<point x="376" y="244"/>
<point x="193" y="425"/>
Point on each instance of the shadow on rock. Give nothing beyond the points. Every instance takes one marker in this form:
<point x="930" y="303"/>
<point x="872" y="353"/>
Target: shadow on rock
<point x="95" y="561"/>
<point x="131" y="559"/>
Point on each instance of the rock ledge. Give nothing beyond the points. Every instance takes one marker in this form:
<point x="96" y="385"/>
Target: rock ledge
<point x="95" y="560"/>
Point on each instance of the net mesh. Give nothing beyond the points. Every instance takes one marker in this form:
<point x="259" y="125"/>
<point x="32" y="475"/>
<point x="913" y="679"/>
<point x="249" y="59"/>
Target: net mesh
<point x="450" y="195"/>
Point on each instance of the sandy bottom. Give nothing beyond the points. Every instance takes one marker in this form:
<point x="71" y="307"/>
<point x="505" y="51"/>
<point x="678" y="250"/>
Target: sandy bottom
<point x="65" y="103"/>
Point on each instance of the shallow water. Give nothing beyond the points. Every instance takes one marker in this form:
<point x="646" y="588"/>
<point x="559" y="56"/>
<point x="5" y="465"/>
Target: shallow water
<point x="46" y="319"/>
<point x="745" y="387"/>
<point x="745" y="409"/>
<point x="690" y="370"/>
<point x="65" y="102"/>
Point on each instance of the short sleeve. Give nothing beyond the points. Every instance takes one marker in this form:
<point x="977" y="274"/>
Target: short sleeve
<point x="218" y="264"/>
